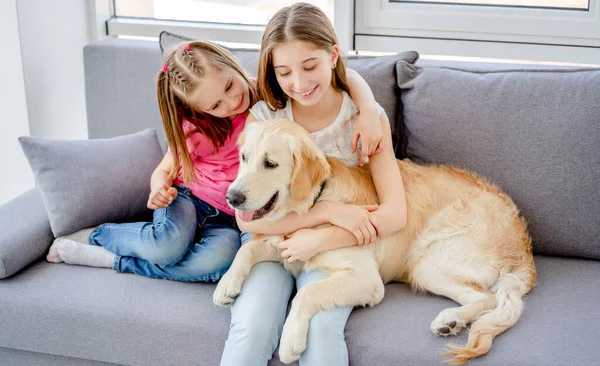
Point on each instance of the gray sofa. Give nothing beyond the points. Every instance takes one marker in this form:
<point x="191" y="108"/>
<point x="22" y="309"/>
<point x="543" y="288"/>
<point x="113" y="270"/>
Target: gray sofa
<point x="534" y="132"/>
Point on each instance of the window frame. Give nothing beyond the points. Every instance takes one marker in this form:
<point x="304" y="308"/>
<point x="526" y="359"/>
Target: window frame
<point x="481" y="23"/>
<point x="517" y="33"/>
<point x="531" y="34"/>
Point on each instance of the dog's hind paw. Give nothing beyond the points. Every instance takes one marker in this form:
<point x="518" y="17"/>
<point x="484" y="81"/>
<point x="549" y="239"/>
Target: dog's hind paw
<point x="293" y="340"/>
<point x="448" y="323"/>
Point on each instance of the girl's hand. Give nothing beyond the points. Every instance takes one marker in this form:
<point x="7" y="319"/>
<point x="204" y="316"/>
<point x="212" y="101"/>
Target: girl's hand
<point x="161" y="196"/>
<point x="301" y="245"/>
<point x="357" y="220"/>
<point x="368" y="129"/>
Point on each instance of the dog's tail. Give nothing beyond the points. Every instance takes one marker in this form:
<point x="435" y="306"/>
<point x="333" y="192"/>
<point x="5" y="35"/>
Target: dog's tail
<point x="509" y="290"/>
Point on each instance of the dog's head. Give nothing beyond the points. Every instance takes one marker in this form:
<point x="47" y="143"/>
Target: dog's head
<point x="281" y="170"/>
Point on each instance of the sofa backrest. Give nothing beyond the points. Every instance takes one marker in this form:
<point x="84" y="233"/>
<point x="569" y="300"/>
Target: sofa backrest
<point x="120" y="77"/>
<point x="120" y="87"/>
<point x="535" y="133"/>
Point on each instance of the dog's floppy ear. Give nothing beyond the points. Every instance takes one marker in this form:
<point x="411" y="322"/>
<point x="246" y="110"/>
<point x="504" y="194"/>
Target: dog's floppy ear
<point x="310" y="169"/>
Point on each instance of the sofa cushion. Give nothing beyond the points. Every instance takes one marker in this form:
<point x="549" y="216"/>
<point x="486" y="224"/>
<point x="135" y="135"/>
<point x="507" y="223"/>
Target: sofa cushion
<point x="89" y="182"/>
<point x="25" y="234"/>
<point x="379" y="73"/>
<point x="533" y="132"/>
<point x="13" y="357"/>
<point x="560" y="324"/>
<point x="102" y="315"/>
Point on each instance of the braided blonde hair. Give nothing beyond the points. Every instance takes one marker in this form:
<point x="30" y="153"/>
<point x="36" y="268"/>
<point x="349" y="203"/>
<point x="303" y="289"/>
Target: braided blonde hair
<point x="182" y="72"/>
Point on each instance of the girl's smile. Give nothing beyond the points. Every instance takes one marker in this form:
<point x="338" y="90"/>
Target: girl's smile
<point x="303" y="71"/>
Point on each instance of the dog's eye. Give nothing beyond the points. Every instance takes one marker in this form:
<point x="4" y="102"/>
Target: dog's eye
<point x="243" y="157"/>
<point x="270" y="165"/>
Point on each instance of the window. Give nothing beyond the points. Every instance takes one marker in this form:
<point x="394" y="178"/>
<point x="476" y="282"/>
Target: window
<point x="228" y="21"/>
<point x="563" y="31"/>
<point x="558" y="4"/>
<point x="542" y="30"/>
<point x="214" y="11"/>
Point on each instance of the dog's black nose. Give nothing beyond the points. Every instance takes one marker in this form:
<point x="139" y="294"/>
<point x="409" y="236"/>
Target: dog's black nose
<point x="235" y="198"/>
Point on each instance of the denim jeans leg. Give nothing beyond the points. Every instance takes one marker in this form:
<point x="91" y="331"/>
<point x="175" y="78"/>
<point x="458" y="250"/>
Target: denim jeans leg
<point x="245" y="237"/>
<point x="326" y="342"/>
<point x="205" y="261"/>
<point x="258" y="314"/>
<point x="164" y="241"/>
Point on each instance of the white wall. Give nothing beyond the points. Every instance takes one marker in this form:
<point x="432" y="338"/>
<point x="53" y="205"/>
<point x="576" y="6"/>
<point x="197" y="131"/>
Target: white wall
<point x="53" y="34"/>
<point x="15" y="174"/>
<point x="42" y="92"/>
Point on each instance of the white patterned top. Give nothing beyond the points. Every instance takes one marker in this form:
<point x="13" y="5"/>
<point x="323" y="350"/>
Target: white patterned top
<point x="334" y="140"/>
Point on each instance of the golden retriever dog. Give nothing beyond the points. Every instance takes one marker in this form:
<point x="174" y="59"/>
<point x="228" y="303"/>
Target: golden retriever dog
<point x="464" y="239"/>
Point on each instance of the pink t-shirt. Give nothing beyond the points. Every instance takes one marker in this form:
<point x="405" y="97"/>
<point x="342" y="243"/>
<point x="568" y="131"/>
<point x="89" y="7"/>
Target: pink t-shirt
<point x="214" y="171"/>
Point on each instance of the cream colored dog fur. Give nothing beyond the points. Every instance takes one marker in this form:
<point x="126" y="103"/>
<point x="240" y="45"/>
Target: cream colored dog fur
<point x="464" y="239"/>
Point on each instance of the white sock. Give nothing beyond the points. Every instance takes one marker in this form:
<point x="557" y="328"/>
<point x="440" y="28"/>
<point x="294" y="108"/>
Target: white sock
<point x="80" y="236"/>
<point x="72" y="252"/>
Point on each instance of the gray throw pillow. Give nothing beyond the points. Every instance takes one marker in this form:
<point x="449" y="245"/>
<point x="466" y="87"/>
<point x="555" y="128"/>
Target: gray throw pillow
<point x="533" y="132"/>
<point x="379" y="72"/>
<point x="90" y="182"/>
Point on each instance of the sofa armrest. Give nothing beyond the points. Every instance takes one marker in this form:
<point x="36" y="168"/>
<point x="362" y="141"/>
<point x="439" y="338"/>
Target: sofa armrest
<point x="25" y="233"/>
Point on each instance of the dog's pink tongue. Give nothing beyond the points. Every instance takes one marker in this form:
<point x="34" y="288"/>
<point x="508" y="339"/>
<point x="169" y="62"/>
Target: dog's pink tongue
<point x="246" y="216"/>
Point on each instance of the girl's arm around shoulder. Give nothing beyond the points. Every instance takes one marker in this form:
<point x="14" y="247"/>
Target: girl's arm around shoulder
<point x="367" y="128"/>
<point x="391" y="213"/>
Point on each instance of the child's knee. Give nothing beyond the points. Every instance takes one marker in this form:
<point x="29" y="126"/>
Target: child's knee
<point x="226" y="246"/>
<point x="212" y="256"/>
<point x="165" y="257"/>
<point x="168" y="248"/>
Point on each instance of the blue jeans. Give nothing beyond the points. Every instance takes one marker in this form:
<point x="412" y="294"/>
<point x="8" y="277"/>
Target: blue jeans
<point x="189" y="240"/>
<point x="258" y="314"/>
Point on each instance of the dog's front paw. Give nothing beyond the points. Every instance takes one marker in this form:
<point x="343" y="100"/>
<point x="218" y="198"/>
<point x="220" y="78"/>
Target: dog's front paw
<point x="293" y="339"/>
<point x="228" y="289"/>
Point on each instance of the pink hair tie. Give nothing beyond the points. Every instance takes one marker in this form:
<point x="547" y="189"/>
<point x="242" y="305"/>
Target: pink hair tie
<point x="186" y="47"/>
<point x="165" y="67"/>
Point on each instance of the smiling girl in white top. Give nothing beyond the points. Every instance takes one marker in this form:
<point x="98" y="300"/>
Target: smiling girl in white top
<point x="302" y="77"/>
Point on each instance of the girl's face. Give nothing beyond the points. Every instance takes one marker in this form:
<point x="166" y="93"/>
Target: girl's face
<point x="303" y="71"/>
<point x="221" y="93"/>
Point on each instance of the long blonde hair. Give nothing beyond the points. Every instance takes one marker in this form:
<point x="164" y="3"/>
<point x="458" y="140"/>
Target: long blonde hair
<point x="298" y="22"/>
<point x="182" y="72"/>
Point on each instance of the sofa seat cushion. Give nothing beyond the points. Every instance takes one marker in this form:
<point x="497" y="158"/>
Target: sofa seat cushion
<point x="101" y="315"/>
<point x="560" y="324"/>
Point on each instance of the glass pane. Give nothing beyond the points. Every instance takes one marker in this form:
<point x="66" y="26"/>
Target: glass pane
<point x="559" y="4"/>
<point x="216" y="11"/>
